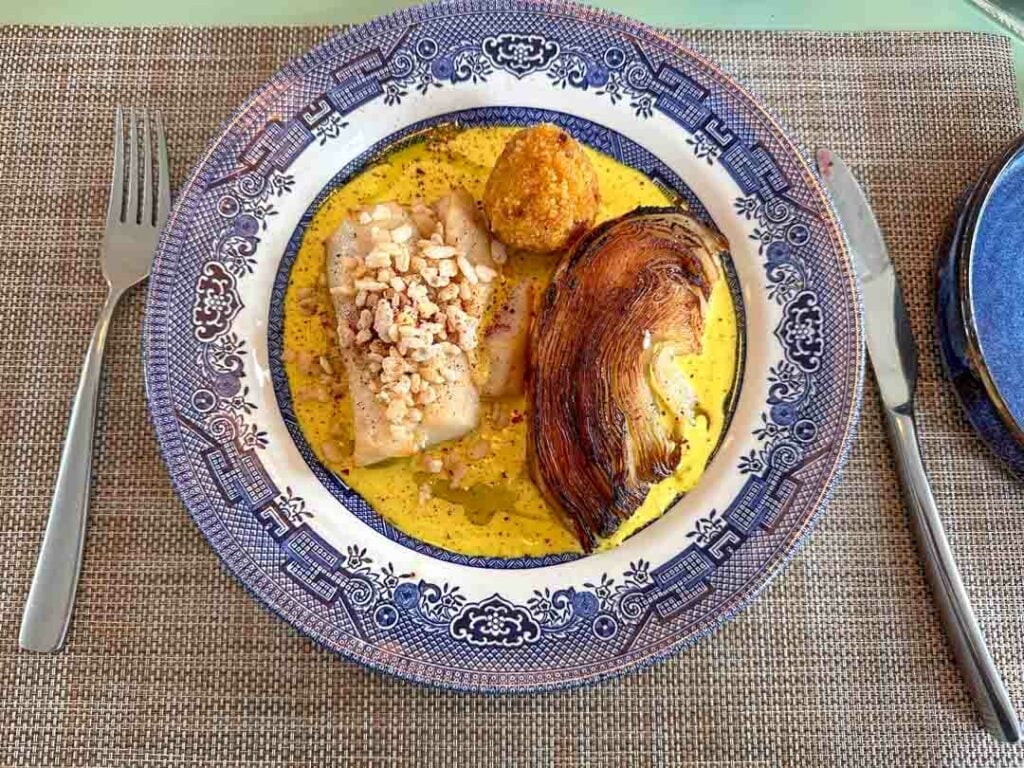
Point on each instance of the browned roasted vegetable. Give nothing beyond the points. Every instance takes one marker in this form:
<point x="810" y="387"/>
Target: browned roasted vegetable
<point x="628" y="288"/>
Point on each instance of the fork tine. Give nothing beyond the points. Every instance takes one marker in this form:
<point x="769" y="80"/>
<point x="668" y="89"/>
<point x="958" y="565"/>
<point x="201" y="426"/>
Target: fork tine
<point x="163" y="176"/>
<point x="116" y="201"/>
<point x="147" y="173"/>
<point x="131" y="214"/>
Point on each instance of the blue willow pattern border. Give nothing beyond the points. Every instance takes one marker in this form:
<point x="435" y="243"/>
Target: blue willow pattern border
<point x="381" y="604"/>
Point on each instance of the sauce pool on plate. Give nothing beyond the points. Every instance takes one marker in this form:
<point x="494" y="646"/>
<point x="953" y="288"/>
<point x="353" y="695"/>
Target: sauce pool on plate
<point x="499" y="512"/>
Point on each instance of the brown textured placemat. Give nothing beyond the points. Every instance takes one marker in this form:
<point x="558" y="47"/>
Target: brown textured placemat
<point x="840" y="662"/>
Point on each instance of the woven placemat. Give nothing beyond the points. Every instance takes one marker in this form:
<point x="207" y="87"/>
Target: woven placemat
<point x="840" y="662"/>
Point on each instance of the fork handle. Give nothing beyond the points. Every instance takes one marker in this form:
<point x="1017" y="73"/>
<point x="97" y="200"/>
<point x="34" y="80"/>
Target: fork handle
<point x="44" y="624"/>
<point x="972" y="654"/>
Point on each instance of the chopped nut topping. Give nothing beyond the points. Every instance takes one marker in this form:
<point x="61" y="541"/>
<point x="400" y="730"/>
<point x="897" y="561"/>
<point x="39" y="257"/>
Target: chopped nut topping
<point x="402" y="261"/>
<point x="448" y="269"/>
<point x="401" y="234"/>
<point x="437" y="252"/>
<point x="427" y="308"/>
<point x="467" y="269"/>
<point x="425" y="493"/>
<point x="458" y="472"/>
<point x="369" y="285"/>
<point x="479" y="449"/>
<point x="383" y="318"/>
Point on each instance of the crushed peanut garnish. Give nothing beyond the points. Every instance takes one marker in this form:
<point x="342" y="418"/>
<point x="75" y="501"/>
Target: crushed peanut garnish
<point x="425" y="493"/>
<point x="480" y="449"/>
<point x="458" y="474"/>
<point x="432" y="464"/>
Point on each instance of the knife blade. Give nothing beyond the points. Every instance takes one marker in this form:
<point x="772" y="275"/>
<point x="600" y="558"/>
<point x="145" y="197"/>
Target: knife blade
<point x="890" y="341"/>
<point x="893" y="357"/>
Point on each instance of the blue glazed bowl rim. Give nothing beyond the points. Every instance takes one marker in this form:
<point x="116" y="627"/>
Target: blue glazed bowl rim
<point x="971" y="214"/>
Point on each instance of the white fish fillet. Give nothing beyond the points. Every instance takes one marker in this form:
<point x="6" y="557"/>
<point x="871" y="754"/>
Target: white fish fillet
<point x="456" y="410"/>
<point x="506" y="344"/>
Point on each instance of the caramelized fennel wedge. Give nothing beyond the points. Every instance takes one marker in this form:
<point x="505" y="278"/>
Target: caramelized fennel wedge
<point x="628" y="289"/>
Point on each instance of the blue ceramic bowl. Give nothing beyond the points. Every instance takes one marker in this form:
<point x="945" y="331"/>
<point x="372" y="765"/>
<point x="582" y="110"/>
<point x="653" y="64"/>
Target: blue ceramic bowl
<point x="980" y="310"/>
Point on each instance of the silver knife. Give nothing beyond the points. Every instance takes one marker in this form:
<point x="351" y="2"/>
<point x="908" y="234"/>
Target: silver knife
<point x="894" y="358"/>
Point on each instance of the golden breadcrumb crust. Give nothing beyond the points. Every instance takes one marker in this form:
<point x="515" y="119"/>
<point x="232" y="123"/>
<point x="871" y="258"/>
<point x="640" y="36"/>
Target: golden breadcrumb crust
<point x="542" y="193"/>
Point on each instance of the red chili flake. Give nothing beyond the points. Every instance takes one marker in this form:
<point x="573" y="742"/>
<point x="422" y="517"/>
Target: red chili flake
<point x="344" y="471"/>
<point x="516" y="417"/>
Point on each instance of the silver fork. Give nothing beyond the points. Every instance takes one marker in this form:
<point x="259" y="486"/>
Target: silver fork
<point x="135" y="216"/>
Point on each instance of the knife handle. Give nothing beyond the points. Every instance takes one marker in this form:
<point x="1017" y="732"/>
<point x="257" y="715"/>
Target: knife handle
<point x="973" y="657"/>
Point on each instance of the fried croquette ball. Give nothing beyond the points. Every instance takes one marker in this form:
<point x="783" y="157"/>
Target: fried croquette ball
<point x="542" y="193"/>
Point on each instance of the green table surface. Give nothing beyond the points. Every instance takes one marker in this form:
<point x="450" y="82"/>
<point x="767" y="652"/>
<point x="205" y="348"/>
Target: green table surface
<point x="832" y="15"/>
<point x="739" y="14"/>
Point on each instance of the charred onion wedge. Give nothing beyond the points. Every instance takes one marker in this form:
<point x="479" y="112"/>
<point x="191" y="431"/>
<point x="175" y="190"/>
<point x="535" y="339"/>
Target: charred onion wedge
<point x="631" y="287"/>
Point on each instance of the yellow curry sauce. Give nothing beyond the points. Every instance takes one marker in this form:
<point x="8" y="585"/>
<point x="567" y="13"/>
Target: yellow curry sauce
<point x="500" y="513"/>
